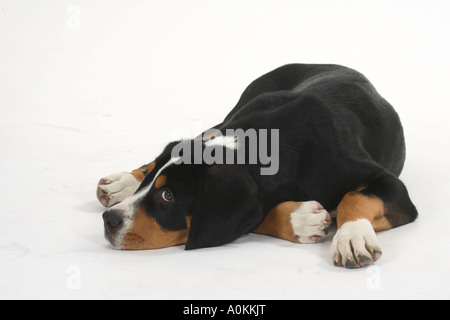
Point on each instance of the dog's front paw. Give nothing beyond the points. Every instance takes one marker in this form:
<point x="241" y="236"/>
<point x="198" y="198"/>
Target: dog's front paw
<point x="116" y="187"/>
<point x="355" y="245"/>
<point x="310" y="222"/>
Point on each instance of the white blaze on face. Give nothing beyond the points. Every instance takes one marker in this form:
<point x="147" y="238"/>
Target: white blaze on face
<point x="128" y="206"/>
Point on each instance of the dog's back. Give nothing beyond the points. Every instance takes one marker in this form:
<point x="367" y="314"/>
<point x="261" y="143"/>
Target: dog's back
<point x="340" y="129"/>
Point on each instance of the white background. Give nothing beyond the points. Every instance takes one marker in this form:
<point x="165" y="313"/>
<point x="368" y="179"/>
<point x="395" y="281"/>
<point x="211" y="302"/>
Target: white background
<point x="89" y="88"/>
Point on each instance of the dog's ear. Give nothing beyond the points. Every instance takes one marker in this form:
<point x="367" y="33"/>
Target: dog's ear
<point x="228" y="207"/>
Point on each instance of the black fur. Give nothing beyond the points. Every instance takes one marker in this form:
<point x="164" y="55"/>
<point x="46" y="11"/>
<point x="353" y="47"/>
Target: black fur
<point x="336" y="134"/>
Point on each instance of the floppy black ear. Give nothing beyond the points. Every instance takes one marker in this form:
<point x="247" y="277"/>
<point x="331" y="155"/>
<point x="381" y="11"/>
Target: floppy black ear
<point x="228" y="207"/>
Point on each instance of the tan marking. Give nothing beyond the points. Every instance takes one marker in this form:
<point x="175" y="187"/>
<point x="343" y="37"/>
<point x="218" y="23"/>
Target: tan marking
<point x="146" y="233"/>
<point x="143" y="171"/>
<point x="278" y="222"/>
<point x="355" y="206"/>
<point x="211" y="135"/>
<point x="381" y="224"/>
<point x="160" y="181"/>
<point x="361" y="188"/>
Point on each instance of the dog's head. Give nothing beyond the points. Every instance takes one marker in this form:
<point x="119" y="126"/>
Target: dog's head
<point x="198" y="205"/>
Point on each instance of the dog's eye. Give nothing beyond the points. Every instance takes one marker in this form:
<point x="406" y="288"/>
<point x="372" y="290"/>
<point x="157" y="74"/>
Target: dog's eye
<point x="166" y="195"/>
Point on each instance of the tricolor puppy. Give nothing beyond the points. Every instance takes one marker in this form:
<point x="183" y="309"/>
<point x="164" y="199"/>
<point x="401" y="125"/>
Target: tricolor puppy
<point x="339" y="146"/>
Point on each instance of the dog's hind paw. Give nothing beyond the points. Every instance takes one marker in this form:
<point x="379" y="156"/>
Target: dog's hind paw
<point x="115" y="188"/>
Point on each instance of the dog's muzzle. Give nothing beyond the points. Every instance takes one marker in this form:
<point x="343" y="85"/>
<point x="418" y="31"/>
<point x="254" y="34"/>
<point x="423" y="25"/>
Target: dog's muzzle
<point x="113" y="222"/>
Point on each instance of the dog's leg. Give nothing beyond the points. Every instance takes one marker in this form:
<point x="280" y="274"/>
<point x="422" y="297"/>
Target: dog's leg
<point x="381" y="205"/>
<point x="300" y="222"/>
<point x="116" y="187"/>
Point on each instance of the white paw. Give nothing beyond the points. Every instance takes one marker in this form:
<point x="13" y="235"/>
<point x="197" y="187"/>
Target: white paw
<point x="116" y="187"/>
<point x="355" y="245"/>
<point x="310" y="222"/>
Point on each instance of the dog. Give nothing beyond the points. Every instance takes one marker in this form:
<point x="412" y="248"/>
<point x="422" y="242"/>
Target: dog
<point x="340" y="148"/>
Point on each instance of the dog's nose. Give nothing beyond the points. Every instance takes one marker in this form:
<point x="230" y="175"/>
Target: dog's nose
<point x="113" y="219"/>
